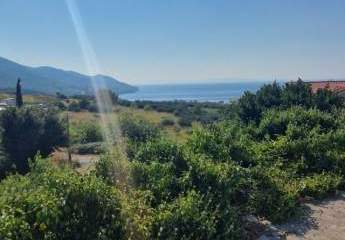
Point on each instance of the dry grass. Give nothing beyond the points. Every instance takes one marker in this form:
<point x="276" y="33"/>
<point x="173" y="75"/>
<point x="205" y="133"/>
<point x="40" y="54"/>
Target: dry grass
<point x="176" y="132"/>
<point x="76" y="117"/>
<point x="30" y="99"/>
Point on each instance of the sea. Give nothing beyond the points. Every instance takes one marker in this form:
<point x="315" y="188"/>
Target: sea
<point x="203" y="92"/>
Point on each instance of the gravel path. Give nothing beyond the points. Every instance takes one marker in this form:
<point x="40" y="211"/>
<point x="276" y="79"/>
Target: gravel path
<point x="324" y="221"/>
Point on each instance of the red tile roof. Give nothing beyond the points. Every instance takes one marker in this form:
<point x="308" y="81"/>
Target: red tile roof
<point x="337" y="86"/>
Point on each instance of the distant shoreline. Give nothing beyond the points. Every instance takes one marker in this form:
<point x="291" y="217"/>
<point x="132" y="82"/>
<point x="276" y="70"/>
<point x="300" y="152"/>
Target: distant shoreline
<point x="200" y="92"/>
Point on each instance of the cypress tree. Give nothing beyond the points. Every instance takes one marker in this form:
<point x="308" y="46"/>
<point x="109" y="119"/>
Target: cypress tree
<point x="19" y="97"/>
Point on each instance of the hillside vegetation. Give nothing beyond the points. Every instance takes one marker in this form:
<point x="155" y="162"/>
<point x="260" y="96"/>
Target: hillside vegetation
<point x="50" y="80"/>
<point x="262" y="156"/>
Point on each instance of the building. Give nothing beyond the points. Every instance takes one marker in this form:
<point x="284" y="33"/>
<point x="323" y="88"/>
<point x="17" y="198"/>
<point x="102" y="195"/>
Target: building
<point x="7" y="102"/>
<point x="11" y="102"/>
<point x="333" y="85"/>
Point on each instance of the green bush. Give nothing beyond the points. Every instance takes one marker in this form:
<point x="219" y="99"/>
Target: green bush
<point x="158" y="178"/>
<point x="6" y="165"/>
<point x="112" y="168"/>
<point x="275" y="194"/>
<point x="222" y="142"/>
<point x="163" y="151"/>
<point x="276" y="122"/>
<point x="138" y="130"/>
<point x="321" y="185"/>
<point x="55" y="203"/>
<point x="86" y="132"/>
<point x="189" y="217"/>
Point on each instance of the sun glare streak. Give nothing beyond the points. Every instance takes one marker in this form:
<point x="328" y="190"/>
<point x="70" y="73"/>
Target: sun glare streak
<point x="109" y="121"/>
<point x="109" y="124"/>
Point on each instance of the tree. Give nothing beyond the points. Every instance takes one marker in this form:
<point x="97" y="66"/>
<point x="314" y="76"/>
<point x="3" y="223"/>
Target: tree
<point x="325" y="99"/>
<point x="60" y="95"/>
<point x="297" y="93"/>
<point x="269" y="95"/>
<point x="248" y="108"/>
<point x="26" y="131"/>
<point x="19" y="97"/>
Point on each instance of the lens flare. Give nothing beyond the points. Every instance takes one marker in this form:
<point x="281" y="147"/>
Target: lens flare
<point x="109" y="121"/>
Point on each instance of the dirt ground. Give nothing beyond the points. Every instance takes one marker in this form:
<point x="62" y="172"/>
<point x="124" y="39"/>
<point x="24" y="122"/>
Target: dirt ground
<point x="323" y="220"/>
<point x="83" y="163"/>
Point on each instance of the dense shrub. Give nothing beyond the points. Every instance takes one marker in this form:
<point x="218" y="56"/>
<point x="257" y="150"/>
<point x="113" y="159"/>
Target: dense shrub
<point x="53" y="203"/>
<point x="163" y="151"/>
<point x="321" y="185"/>
<point x="86" y="132"/>
<point x="297" y="94"/>
<point x="138" y="130"/>
<point x="190" y="217"/>
<point x="275" y="195"/>
<point x="274" y="148"/>
<point x="113" y="168"/>
<point x="249" y="110"/>
<point x="276" y="122"/>
<point x="326" y="100"/>
<point x="250" y="106"/>
<point x="6" y="165"/>
<point x="269" y="95"/>
<point x="26" y="131"/>
<point x="158" y="178"/>
<point x="222" y="142"/>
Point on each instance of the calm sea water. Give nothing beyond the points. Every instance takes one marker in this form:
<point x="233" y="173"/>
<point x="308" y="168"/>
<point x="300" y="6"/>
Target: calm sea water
<point x="215" y="92"/>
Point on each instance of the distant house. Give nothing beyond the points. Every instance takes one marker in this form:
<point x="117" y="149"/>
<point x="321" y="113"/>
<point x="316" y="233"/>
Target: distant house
<point x="333" y="85"/>
<point x="7" y="102"/>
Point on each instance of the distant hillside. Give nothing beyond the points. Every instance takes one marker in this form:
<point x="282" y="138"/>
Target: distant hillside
<point x="50" y="80"/>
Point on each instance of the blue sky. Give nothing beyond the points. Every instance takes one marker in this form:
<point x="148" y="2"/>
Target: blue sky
<point x="156" y="41"/>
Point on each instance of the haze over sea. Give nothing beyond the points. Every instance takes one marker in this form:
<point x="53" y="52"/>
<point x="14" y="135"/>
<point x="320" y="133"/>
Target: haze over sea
<point x="202" y="92"/>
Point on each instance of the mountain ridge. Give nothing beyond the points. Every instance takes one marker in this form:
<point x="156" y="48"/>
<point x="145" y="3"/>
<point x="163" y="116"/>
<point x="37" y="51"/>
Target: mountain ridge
<point x="49" y="80"/>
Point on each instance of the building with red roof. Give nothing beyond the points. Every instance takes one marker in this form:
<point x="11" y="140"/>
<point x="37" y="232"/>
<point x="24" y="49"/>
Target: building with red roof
<point x="333" y="85"/>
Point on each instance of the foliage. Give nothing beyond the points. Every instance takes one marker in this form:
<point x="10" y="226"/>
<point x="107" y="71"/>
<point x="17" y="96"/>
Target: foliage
<point x="6" y="165"/>
<point x="297" y="94"/>
<point x="272" y="149"/>
<point x="138" y="130"/>
<point x="275" y="195"/>
<point x="325" y="100"/>
<point x="85" y="132"/>
<point x="54" y="203"/>
<point x="112" y="168"/>
<point x="26" y="131"/>
<point x="186" y="111"/>
<point x="190" y="217"/>
<point x="321" y="185"/>
<point x="222" y="142"/>
<point x="250" y="106"/>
